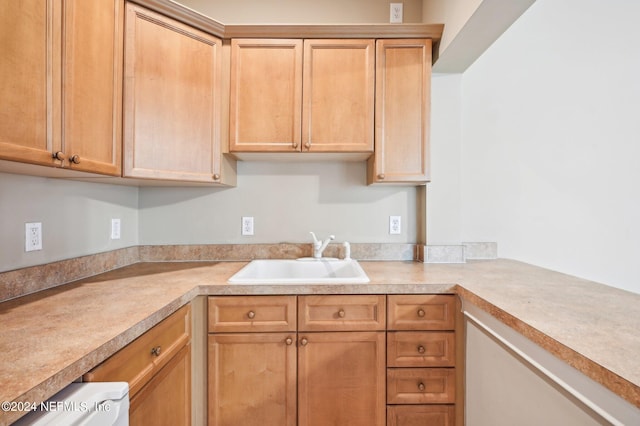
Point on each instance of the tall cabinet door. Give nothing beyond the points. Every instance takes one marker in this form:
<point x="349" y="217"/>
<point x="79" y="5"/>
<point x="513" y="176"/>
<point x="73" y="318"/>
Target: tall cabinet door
<point x="171" y="99"/>
<point x="252" y="379"/>
<point x="403" y="83"/>
<point x="266" y="93"/>
<point x="30" y="80"/>
<point x="92" y="84"/>
<point x="338" y="95"/>
<point x="341" y="379"/>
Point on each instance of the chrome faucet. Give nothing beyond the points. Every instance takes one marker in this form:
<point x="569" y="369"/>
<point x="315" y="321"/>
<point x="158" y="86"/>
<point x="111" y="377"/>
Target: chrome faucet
<point x="319" y="246"/>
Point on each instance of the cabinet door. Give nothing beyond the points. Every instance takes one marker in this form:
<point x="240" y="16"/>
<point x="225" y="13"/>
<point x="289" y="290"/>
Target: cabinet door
<point x="166" y="399"/>
<point x="338" y="95"/>
<point x="266" y="94"/>
<point x="252" y="379"/>
<point x="403" y="78"/>
<point x="420" y="415"/>
<point x="92" y="75"/>
<point x="171" y="99"/>
<point x="30" y="80"/>
<point x="341" y="378"/>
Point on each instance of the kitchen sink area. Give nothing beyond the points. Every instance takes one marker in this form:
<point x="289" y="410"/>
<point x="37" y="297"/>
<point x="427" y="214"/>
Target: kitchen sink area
<point x="301" y="271"/>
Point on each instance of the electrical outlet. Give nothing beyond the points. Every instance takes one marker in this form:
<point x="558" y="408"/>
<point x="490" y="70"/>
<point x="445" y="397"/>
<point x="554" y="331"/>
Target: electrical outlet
<point x="247" y="225"/>
<point x="395" y="225"/>
<point x="33" y="236"/>
<point x="395" y="13"/>
<point x="115" y="229"/>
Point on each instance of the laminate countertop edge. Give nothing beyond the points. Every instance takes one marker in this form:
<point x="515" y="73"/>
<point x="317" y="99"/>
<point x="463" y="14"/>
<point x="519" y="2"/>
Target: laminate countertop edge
<point x="89" y="320"/>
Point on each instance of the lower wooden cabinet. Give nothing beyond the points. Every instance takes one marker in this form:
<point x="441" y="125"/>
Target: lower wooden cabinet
<point x="421" y="415"/>
<point x="322" y="360"/>
<point x="157" y="366"/>
<point x="341" y="378"/>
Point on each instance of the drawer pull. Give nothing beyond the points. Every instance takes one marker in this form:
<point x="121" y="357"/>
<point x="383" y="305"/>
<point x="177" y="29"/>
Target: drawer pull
<point x="421" y="349"/>
<point x="421" y="312"/>
<point x="421" y="387"/>
<point x="341" y="313"/>
<point x="251" y="314"/>
<point x="288" y="341"/>
<point x="156" y="351"/>
<point x="303" y="341"/>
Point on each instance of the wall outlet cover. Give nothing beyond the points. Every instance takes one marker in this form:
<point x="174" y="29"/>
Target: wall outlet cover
<point x="395" y="225"/>
<point x="115" y="229"/>
<point x="247" y="225"/>
<point x="33" y="236"/>
<point x="395" y="13"/>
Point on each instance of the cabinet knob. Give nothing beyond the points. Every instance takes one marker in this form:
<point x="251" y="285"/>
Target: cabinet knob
<point x="421" y="386"/>
<point x="155" y="351"/>
<point x="75" y="159"/>
<point x="216" y="177"/>
<point x="59" y="155"/>
<point x="421" y="312"/>
<point x="307" y="145"/>
<point x="251" y="314"/>
<point x="294" y="145"/>
<point x="380" y="175"/>
<point x="421" y="349"/>
<point x="303" y="341"/>
<point x="341" y="313"/>
<point x="288" y="341"/>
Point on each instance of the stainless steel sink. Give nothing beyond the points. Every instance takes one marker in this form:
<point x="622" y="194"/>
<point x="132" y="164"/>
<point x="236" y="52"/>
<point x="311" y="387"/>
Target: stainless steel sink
<point x="301" y="271"/>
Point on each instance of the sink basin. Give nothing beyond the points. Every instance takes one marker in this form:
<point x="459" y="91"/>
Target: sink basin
<point x="303" y="271"/>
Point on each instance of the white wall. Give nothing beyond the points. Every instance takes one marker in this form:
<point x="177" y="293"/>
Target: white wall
<point x="75" y="216"/>
<point x="303" y="11"/>
<point x="287" y="200"/>
<point x="551" y="136"/>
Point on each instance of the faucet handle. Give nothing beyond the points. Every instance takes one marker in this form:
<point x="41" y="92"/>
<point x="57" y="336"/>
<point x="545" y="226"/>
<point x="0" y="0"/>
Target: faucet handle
<point x="315" y="240"/>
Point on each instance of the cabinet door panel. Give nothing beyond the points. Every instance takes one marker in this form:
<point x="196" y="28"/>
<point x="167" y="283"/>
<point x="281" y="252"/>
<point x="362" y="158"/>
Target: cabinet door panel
<point x="266" y="93"/>
<point x="338" y="95"/>
<point x="421" y="415"/>
<point x="166" y="399"/>
<point x="252" y="379"/>
<point x="341" y="378"/>
<point x="341" y="313"/>
<point x="92" y="95"/>
<point x="421" y="386"/>
<point x="403" y="76"/>
<point x="421" y="349"/>
<point x="30" y="80"/>
<point x="421" y="312"/>
<point x="171" y="99"/>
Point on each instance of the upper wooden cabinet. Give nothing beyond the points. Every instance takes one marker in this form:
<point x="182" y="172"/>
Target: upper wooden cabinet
<point x="92" y="85"/>
<point x="61" y="83"/>
<point x="172" y="100"/>
<point x="266" y="95"/>
<point x="403" y="83"/>
<point x="293" y="95"/>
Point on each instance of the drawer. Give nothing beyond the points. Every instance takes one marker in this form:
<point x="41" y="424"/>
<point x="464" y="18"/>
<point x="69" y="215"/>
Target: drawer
<point x="421" y="349"/>
<point x="421" y="415"/>
<point x="341" y="313"/>
<point x="421" y="312"/>
<point x="137" y="362"/>
<point x="421" y="385"/>
<point x="251" y="313"/>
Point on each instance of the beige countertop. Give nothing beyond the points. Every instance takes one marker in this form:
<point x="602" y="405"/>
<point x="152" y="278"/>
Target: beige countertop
<point x="52" y="337"/>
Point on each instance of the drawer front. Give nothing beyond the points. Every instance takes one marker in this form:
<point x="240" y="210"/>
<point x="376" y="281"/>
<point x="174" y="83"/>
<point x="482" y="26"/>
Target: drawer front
<point x="421" y="386"/>
<point x="421" y="349"/>
<point x="252" y="313"/>
<point x="421" y="415"/>
<point x="421" y="312"/>
<point x="137" y="362"/>
<point x="341" y="313"/>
